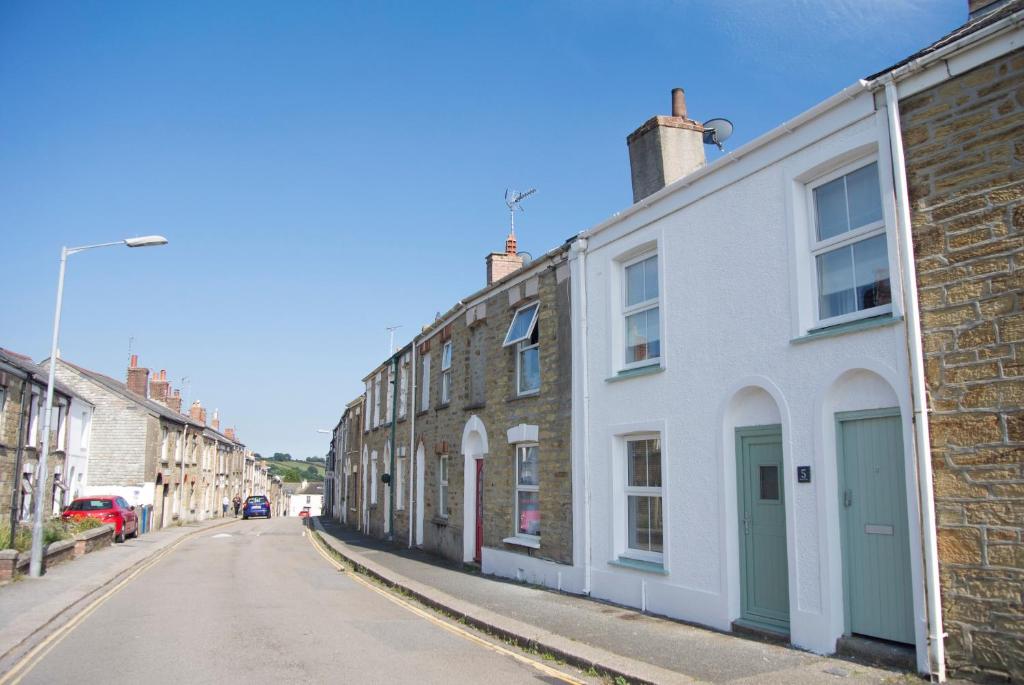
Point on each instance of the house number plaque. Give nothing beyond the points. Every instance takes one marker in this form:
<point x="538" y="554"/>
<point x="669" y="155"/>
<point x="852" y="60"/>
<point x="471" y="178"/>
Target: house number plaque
<point x="803" y="474"/>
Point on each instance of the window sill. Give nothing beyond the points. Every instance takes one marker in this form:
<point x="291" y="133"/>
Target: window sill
<point x="439" y="521"/>
<point x="639" y="565"/>
<point x="422" y="412"/>
<point x="474" y="405"/>
<point x="848" y="327"/>
<point x="626" y="374"/>
<point x="443" y="405"/>
<point x="532" y="543"/>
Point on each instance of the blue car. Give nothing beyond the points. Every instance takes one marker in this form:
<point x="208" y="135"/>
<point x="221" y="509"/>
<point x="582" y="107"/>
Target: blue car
<point x="257" y="505"/>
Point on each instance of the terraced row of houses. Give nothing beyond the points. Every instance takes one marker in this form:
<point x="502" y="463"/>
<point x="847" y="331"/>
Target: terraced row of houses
<point x="128" y="439"/>
<point x="781" y="392"/>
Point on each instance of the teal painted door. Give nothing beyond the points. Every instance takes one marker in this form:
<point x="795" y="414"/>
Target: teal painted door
<point x="876" y="536"/>
<point x="764" y="571"/>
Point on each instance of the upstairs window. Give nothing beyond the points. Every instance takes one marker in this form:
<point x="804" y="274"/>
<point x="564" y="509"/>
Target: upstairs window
<point x="641" y="310"/>
<point x="425" y="402"/>
<point x="376" y="400"/>
<point x="524" y="334"/>
<point x="849" y="245"/>
<point x="446" y="372"/>
<point x="403" y="385"/>
<point x="366" y="416"/>
<point x="390" y="400"/>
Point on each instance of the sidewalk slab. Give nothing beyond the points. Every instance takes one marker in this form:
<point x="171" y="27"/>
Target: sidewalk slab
<point x="585" y="632"/>
<point x="31" y="608"/>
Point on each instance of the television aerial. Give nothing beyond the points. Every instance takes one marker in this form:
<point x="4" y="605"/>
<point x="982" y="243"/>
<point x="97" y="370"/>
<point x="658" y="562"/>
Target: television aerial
<point x="717" y="131"/>
<point x="513" y="198"/>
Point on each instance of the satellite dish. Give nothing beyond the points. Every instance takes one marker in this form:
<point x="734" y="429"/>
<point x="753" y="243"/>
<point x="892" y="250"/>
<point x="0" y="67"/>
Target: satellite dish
<point x="717" y="131"/>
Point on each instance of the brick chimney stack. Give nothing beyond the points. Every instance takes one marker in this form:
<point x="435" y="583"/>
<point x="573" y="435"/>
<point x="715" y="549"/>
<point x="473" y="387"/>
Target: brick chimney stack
<point x="159" y="387"/>
<point x="138" y="378"/>
<point x="229" y="433"/>
<point x="174" y="401"/>
<point x="197" y="413"/>
<point x="215" y="423"/>
<point x="665" y="149"/>
<point x="501" y="264"/>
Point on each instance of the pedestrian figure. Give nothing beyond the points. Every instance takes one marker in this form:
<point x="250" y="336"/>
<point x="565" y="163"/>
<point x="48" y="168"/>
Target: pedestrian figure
<point x="224" y="505"/>
<point x="238" y="504"/>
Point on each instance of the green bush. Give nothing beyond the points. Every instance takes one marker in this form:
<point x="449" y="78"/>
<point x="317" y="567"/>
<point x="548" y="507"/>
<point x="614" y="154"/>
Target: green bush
<point x="53" y="531"/>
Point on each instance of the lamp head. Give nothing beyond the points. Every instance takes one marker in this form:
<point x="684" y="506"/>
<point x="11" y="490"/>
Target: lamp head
<point x="145" y="241"/>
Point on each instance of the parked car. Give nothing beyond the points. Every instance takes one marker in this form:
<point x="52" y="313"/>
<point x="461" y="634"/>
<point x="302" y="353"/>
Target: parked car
<point x="107" y="509"/>
<point x="257" y="505"/>
<point x="304" y="514"/>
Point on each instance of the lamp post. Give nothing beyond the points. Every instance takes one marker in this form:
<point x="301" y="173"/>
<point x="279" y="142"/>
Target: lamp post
<point x="36" y="561"/>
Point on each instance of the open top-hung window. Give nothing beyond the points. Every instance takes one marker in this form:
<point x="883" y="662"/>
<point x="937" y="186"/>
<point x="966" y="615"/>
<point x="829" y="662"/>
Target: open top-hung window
<point x="524" y="334"/>
<point x="641" y="310"/>
<point x="849" y="245"/>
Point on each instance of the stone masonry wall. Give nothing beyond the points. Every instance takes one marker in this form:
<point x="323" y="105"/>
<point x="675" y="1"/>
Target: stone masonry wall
<point x="965" y="161"/>
<point x="440" y="428"/>
<point x="117" y="441"/>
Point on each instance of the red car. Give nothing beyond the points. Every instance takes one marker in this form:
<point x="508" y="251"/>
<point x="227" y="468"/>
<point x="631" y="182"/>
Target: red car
<point x="107" y="509"/>
<point x="304" y="514"/>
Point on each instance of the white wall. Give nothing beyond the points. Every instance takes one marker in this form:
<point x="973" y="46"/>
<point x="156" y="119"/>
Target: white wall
<point x="79" y="426"/>
<point x="296" y="503"/>
<point x="734" y="294"/>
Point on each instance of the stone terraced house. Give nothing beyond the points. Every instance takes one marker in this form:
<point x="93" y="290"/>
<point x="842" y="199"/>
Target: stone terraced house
<point x="962" y="116"/>
<point x="22" y="394"/>
<point x="781" y="393"/>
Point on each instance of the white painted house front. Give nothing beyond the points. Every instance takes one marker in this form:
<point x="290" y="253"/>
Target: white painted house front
<point x="79" y="427"/>
<point x="734" y="327"/>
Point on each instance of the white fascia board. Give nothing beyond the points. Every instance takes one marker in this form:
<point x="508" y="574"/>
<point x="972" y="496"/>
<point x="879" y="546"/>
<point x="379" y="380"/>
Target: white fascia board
<point x="846" y="108"/>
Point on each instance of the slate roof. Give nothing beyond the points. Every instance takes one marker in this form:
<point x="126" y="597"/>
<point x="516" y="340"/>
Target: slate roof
<point x="972" y="26"/>
<point x="121" y="389"/>
<point x="37" y="372"/>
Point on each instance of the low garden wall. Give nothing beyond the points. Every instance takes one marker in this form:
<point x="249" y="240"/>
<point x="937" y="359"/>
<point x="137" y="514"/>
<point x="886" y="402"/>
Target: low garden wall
<point x="13" y="562"/>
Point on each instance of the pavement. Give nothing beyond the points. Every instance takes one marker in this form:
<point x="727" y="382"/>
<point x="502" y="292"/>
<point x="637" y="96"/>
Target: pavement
<point x="614" y="640"/>
<point x="32" y="608"/>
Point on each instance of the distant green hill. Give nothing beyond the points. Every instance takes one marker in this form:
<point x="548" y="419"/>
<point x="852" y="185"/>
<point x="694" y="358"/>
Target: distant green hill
<point x="297" y="471"/>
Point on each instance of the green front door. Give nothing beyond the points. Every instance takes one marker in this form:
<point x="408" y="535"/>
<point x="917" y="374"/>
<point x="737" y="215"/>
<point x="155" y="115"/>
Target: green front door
<point x="876" y="537"/>
<point x="764" y="574"/>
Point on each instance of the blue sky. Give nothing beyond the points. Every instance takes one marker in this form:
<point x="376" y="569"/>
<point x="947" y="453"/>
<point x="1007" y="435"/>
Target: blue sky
<point x="326" y="169"/>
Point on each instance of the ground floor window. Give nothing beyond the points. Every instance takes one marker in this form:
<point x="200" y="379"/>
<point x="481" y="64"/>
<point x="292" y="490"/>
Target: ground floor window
<point x="399" y="480"/>
<point x="442" y="486"/>
<point x="527" y="490"/>
<point x="645" y="520"/>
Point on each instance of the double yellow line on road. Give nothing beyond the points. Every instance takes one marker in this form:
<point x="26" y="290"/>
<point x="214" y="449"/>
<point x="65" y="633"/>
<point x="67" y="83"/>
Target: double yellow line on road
<point x="22" y="667"/>
<point x="465" y="634"/>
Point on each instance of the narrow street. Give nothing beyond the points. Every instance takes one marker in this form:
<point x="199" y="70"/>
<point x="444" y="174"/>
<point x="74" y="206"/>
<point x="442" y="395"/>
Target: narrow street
<point x="255" y="602"/>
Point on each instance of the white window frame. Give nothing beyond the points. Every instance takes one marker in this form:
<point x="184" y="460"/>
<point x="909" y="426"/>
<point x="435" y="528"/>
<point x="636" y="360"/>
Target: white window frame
<point x="83" y="436"/>
<point x="446" y="372"/>
<point x="443" y="464"/>
<point x="32" y="439"/>
<point x="390" y="396"/>
<point x="400" y="490"/>
<point x="376" y="399"/>
<point x="425" y="400"/>
<point x="165" y="441"/>
<point x="373" y="477"/>
<point x="816" y="247"/>
<point x="366" y="414"/>
<point x="638" y="491"/>
<point x="630" y="310"/>
<point x="509" y="340"/>
<point x="403" y="386"/>
<point x="526" y="488"/>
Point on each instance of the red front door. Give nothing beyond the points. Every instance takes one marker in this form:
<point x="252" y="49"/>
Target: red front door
<point x="479" y="509"/>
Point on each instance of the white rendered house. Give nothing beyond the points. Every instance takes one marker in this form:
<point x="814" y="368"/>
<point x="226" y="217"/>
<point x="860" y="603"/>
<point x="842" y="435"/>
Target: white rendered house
<point x="741" y="384"/>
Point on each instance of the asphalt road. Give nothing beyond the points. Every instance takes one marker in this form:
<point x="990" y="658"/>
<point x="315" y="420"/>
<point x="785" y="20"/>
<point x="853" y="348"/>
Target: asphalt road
<point x="254" y="602"/>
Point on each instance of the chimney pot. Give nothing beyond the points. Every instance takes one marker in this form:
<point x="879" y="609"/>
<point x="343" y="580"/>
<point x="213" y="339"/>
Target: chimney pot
<point x="134" y="362"/>
<point x="678" y="103"/>
<point x="138" y="378"/>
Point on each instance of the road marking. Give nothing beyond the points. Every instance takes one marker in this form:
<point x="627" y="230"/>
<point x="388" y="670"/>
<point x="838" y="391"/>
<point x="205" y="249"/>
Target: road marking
<point x="39" y="652"/>
<point x="543" y="668"/>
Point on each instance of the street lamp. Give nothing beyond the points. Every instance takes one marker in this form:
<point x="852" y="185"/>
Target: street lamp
<point x="35" y="568"/>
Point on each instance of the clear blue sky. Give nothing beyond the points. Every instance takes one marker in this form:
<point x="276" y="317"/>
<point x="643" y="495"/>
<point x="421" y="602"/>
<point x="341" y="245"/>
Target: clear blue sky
<point x="326" y="169"/>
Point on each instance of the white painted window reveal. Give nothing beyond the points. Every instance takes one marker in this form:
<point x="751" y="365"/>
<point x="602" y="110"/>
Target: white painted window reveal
<point x="641" y="310"/>
<point x="644" y="516"/>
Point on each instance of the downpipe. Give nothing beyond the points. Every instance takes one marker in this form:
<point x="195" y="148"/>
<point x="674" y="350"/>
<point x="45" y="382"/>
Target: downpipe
<point x="919" y="398"/>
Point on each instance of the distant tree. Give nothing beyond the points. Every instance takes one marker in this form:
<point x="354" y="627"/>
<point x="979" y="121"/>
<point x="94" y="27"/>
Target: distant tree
<point x="257" y="455"/>
<point x="316" y="460"/>
<point x="281" y="456"/>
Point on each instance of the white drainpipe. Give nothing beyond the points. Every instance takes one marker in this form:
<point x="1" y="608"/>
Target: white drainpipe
<point x="922" y="441"/>
<point x="410" y="406"/>
<point x="580" y="248"/>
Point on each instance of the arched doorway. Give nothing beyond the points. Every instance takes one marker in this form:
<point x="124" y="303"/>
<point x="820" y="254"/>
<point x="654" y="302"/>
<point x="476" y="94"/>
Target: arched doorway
<point x="474" y="448"/>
